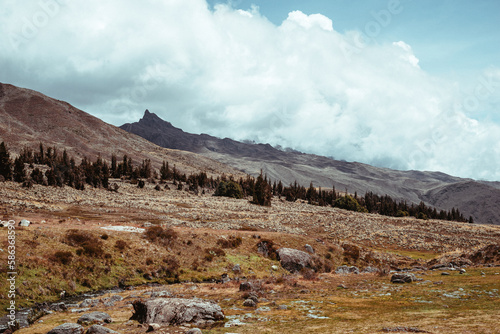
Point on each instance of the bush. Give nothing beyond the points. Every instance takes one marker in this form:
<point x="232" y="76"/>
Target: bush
<point x="211" y="253"/>
<point x="159" y="235"/>
<point x="172" y="265"/>
<point x="61" y="257"/>
<point x="232" y="242"/>
<point x="120" y="245"/>
<point x="89" y="245"/>
<point x="349" y="203"/>
<point x="229" y="189"/>
<point x="104" y="236"/>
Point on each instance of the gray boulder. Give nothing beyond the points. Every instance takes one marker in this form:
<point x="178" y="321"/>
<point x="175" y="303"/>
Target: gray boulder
<point x="176" y="311"/>
<point x="24" y="223"/>
<point x="163" y="293"/>
<point x="246" y="286"/>
<point x="309" y="249"/>
<point x="92" y="318"/>
<point x="345" y="270"/>
<point x="67" y="329"/>
<point x="194" y="331"/>
<point x="250" y="303"/>
<point x="98" y="329"/>
<point x="293" y="260"/>
<point x="401" y="278"/>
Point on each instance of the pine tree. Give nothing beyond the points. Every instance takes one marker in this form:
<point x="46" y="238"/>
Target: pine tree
<point x="19" y="172"/>
<point x="5" y="163"/>
<point x="262" y="192"/>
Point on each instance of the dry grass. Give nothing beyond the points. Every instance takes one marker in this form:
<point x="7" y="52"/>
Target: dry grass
<point x="204" y="225"/>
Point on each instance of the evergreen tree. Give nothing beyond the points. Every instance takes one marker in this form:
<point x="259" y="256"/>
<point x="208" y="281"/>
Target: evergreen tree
<point x="19" y="172"/>
<point x="5" y="162"/>
<point x="262" y="192"/>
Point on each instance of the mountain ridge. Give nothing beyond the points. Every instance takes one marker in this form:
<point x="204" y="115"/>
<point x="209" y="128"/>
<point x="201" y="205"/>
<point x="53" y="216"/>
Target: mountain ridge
<point x="29" y="117"/>
<point x="412" y="186"/>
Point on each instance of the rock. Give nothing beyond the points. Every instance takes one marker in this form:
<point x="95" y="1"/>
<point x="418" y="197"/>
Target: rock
<point x="86" y="303"/>
<point x="24" y="223"/>
<point x="163" y="293"/>
<point x="282" y="307"/>
<point x="463" y="271"/>
<point x="249" y="303"/>
<point x="98" y="329"/>
<point x="153" y="327"/>
<point x="293" y="260"/>
<point x="445" y="273"/>
<point x="403" y="278"/>
<point x="225" y="278"/>
<point x="370" y="270"/>
<point x="194" y="331"/>
<point x="98" y="318"/>
<point x="264" y="248"/>
<point x="345" y="270"/>
<point x="253" y="296"/>
<point x="176" y="311"/>
<point x="309" y="249"/>
<point x="67" y="329"/>
<point x="58" y="307"/>
<point x="275" y="267"/>
<point x="236" y="269"/>
<point x="246" y="286"/>
<point x="116" y="298"/>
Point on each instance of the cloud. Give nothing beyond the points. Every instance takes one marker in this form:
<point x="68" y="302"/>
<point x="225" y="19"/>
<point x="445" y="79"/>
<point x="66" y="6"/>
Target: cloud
<point x="233" y="73"/>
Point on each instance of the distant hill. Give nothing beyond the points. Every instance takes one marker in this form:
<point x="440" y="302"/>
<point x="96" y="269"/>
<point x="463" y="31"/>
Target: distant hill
<point x="481" y="200"/>
<point x="29" y="117"/>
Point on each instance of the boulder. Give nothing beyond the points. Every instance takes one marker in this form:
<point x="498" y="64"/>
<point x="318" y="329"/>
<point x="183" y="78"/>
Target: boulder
<point x="92" y="318"/>
<point x="194" y="331"/>
<point x="236" y="269"/>
<point x="293" y="260"/>
<point x="163" y="293"/>
<point x="98" y="329"/>
<point x="24" y="223"/>
<point x="345" y="270"/>
<point x="309" y="249"/>
<point x="176" y="311"/>
<point x="402" y="278"/>
<point x="250" y="303"/>
<point x="246" y="286"/>
<point x="67" y="329"/>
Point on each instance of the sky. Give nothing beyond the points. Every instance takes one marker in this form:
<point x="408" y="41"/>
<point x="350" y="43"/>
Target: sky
<point x="410" y="85"/>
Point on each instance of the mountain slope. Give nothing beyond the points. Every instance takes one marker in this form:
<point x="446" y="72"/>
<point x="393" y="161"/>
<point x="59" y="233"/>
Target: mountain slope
<point x="413" y="186"/>
<point x="29" y="117"/>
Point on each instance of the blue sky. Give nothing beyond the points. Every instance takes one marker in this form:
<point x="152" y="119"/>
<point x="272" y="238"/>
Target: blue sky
<point x="403" y="85"/>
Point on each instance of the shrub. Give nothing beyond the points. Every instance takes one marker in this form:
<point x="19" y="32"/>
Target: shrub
<point x="61" y="257"/>
<point x="120" y="245"/>
<point x="232" y="242"/>
<point x="229" y="189"/>
<point x="349" y="203"/>
<point x="172" y="265"/>
<point x="149" y="261"/>
<point x="89" y="245"/>
<point x="211" y="253"/>
<point x="160" y="235"/>
<point x="309" y="274"/>
<point x="104" y="236"/>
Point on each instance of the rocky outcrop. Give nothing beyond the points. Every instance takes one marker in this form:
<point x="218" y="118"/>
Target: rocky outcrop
<point x="98" y="329"/>
<point x="293" y="260"/>
<point x="345" y="270"/>
<point x="402" y="278"/>
<point x="67" y="328"/>
<point x="98" y="318"/>
<point x="177" y="311"/>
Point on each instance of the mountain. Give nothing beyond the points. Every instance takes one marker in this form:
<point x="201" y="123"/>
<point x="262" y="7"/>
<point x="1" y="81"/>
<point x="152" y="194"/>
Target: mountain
<point x="29" y="117"/>
<point x="481" y="200"/>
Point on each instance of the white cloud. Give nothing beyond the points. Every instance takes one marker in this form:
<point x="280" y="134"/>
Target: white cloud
<point x="234" y="74"/>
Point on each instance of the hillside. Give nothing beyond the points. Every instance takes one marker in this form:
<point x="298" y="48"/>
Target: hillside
<point x="29" y="117"/>
<point x="434" y="188"/>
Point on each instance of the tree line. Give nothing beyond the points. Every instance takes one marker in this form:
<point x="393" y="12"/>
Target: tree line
<point x="61" y="169"/>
